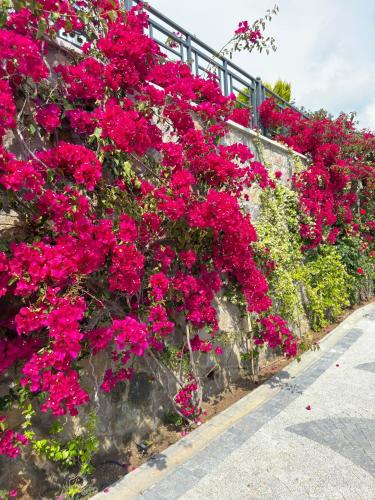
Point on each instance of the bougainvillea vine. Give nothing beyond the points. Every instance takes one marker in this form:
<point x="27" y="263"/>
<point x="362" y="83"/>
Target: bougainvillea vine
<point x="131" y="206"/>
<point x="336" y="190"/>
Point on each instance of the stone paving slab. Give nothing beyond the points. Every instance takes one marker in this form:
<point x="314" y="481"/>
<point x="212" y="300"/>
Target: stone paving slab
<point x="269" y="446"/>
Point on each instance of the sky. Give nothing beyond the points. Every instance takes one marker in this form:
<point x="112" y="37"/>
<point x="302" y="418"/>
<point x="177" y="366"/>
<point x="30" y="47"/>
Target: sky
<point x="325" y="48"/>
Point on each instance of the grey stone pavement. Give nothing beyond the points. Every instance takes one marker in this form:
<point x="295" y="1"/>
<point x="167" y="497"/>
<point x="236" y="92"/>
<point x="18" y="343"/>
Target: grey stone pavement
<point x="309" y="432"/>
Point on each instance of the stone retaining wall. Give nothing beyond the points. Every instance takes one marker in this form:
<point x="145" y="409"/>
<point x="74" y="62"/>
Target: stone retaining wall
<point x="133" y="412"/>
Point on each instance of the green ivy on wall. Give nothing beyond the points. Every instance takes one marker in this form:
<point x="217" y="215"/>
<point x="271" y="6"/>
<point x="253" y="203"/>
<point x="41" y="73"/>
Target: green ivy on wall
<point x="354" y="259"/>
<point x="327" y="285"/>
<point x="278" y="233"/>
<point x="316" y="284"/>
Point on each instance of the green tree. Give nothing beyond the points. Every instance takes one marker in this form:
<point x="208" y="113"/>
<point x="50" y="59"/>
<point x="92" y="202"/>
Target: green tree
<point x="281" y="88"/>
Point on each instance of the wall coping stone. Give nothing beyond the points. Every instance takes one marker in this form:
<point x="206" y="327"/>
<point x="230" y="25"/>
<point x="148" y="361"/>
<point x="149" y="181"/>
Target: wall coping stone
<point x="263" y="138"/>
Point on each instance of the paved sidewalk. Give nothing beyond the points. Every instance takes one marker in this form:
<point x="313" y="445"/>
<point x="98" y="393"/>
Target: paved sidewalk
<point x="307" y="433"/>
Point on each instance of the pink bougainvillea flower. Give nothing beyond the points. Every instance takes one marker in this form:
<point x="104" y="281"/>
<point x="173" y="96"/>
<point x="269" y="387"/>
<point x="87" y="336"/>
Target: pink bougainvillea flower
<point x="243" y="27"/>
<point x="159" y="284"/>
<point x="241" y="116"/>
<point x="48" y="117"/>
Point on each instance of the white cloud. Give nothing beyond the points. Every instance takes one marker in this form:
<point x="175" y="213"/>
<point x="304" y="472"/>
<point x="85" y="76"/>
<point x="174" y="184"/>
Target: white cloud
<point x="367" y="116"/>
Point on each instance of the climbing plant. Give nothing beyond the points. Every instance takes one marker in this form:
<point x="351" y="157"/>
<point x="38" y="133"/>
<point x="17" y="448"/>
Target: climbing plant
<point x="336" y="190"/>
<point x="133" y="215"/>
<point x="315" y="283"/>
<point x="327" y="287"/>
<point x="279" y="239"/>
<point x="129" y="214"/>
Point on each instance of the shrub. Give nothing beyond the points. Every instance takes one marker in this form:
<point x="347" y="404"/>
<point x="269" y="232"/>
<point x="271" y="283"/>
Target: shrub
<point x="327" y="286"/>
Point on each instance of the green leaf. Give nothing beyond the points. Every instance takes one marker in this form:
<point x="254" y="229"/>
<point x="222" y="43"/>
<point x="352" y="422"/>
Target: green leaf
<point x="97" y="132"/>
<point x="12" y="280"/>
<point x="112" y="14"/>
<point x="42" y="27"/>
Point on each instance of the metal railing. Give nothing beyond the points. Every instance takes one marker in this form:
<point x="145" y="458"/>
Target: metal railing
<point x="179" y="44"/>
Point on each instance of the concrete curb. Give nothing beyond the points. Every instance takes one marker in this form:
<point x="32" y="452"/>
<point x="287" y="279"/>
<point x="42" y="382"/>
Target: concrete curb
<point x="168" y="461"/>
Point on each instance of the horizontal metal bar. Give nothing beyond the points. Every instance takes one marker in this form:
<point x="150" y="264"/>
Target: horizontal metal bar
<point x="167" y="47"/>
<point x="221" y="67"/>
<point x="245" y="83"/>
<point x="166" y="32"/>
<point x="206" y="58"/>
<point x="281" y="99"/>
<point x="241" y="92"/>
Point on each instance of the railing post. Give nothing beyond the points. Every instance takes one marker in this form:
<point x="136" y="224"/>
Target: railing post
<point x="225" y="78"/>
<point x="189" y="52"/>
<point x="255" y="100"/>
<point x="259" y="98"/>
<point x="262" y="93"/>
